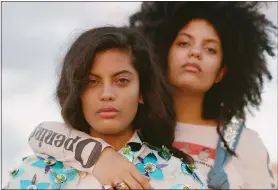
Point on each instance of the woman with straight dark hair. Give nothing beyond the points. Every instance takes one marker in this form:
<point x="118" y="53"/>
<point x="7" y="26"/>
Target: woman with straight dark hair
<point x="111" y="90"/>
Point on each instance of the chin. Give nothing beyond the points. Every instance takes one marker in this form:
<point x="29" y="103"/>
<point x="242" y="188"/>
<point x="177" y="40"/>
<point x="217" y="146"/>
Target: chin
<point x="193" y="85"/>
<point x="111" y="132"/>
<point x="189" y="80"/>
<point x="110" y="128"/>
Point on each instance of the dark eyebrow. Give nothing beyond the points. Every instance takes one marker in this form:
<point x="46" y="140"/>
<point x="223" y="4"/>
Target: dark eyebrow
<point x="185" y="34"/>
<point x="212" y="40"/>
<point x="115" y="74"/>
<point x="207" y="40"/>
<point x="94" y="75"/>
<point x="122" y="72"/>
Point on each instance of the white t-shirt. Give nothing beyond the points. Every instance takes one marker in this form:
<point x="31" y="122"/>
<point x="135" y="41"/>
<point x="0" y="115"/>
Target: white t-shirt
<point x="251" y="169"/>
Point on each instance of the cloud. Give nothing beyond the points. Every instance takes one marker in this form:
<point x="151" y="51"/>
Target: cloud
<point x="22" y="111"/>
<point x="34" y="32"/>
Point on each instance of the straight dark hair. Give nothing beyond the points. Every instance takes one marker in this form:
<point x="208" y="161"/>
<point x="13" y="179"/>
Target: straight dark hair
<point x="155" y="118"/>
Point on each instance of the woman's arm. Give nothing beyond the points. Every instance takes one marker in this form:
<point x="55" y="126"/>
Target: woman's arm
<point x="85" y="153"/>
<point x="67" y="145"/>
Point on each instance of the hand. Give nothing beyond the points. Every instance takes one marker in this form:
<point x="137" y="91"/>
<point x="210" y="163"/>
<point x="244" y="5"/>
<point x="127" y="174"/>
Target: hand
<point x="112" y="168"/>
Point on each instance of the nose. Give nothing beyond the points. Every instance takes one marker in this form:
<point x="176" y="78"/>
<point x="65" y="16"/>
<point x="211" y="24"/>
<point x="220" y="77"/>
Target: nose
<point x="194" y="52"/>
<point x="107" y="93"/>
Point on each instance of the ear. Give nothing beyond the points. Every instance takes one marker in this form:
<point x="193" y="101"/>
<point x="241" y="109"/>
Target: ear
<point x="140" y="100"/>
<point x="223" y="71"/>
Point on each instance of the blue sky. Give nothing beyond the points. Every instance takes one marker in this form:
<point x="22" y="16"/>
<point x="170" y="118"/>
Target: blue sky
<point x="35" y="36"/>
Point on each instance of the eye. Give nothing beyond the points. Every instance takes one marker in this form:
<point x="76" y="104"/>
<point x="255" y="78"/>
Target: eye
<point x="122" y="81"/>
<point x="94" y="82"/>
<point x="211" y="50"/>
<point x="183" y="44"/>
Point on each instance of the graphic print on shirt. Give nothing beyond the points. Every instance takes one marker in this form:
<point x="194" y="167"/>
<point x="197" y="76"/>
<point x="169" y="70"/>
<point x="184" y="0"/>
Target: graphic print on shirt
<point x="202" y="155"/>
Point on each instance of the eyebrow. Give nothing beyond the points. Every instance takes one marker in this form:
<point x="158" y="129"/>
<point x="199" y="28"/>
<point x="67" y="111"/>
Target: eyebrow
<point x="185" y="34"/>
<point x="115" y="74"/>
<point x="191" y="37"/>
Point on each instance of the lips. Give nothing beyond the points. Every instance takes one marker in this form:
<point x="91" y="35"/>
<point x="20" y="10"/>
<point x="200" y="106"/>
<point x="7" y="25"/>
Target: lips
<point x="108" y="112"/>
<point x="192" y="67"/>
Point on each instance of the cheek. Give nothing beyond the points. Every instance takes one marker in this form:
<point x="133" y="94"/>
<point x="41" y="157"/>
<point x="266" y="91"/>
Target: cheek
<point x="176" y="56"/>
<point x="211" y="69"/>
<point x="88" y="100"/>
<point x="209" y="75"/>
<point x="129" y="101"/>
<point x="175" y="60"/>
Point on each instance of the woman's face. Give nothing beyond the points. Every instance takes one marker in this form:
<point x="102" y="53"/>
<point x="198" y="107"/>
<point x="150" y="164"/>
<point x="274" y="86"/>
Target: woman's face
<point x="195" y="57"/>
<point x="110" y="100"/>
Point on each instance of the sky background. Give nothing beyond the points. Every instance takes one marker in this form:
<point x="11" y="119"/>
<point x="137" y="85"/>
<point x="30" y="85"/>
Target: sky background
<point x="35" y="37"/>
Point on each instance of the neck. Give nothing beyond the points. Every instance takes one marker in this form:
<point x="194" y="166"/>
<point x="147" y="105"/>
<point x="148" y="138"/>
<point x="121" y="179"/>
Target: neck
<point x="116" y="140"/>
<point x="189" y="108"/>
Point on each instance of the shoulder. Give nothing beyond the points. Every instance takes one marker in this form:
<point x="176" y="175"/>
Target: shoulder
<point x="41" y="171"/>
<point x="253" y="160"/>
<point x="249" y="133"/>
<point x="22" y="176"/>
<point x="251" y="150"/>
<point x="250" y="144"/>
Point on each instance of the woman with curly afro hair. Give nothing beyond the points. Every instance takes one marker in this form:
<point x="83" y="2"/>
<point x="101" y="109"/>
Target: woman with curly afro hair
<point x="214" y="56"/>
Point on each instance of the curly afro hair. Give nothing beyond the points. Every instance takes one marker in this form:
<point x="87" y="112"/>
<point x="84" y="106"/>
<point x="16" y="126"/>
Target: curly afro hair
<point x="245" y="34"/>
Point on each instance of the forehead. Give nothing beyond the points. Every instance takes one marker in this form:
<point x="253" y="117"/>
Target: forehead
<point x="200" y="28"/>
<point x="112" y="60"/>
